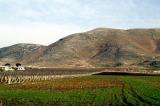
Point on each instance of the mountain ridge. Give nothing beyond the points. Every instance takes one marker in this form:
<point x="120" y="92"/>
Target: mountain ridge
<point x="98" y="47"/>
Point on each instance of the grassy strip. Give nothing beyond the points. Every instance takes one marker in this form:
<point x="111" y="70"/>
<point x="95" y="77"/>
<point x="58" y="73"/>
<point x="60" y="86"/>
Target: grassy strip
<point x="25" y="97"/>
<point x="144" y="92"/>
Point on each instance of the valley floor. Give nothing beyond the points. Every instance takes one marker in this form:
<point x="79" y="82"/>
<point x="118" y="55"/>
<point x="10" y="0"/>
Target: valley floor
<point x="93" y="90"/>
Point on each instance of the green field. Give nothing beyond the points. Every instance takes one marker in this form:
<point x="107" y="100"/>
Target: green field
<point x="95" y="90"/>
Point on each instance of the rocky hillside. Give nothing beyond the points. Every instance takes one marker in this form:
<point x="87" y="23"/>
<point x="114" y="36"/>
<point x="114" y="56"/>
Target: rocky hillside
<point x="103" y="47"/>
<point x="98" y="47"/>
<point x="19" y="53"/>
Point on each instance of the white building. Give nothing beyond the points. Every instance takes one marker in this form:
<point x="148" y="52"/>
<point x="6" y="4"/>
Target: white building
<point x="6" y="68"/>
<point x="11" y="68"/>
<point x="20" y="68"/>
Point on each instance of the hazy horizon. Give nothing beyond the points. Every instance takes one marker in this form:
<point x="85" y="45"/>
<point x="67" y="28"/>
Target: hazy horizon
<point x="46" y="21"/>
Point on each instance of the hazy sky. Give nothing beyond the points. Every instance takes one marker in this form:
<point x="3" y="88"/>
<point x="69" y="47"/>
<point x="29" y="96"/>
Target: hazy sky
<point x="46" y="21"/>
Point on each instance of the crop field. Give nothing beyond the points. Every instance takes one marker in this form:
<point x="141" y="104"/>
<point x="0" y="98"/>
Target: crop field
<point x="93" y="90"/>
<point x="39" y="74"/>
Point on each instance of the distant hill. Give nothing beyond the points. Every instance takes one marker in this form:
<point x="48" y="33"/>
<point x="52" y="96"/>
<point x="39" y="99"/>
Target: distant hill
<point x="19" y="52"/>
<point x="98" y="47"/>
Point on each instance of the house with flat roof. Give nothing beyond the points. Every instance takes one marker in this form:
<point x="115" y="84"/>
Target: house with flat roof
<point x="8" y="67"/>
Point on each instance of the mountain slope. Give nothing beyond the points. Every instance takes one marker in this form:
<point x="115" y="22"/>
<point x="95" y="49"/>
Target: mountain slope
<point x="103" y="46"/>
<point x="98" y="47"/>
<point x="18" y="52"/>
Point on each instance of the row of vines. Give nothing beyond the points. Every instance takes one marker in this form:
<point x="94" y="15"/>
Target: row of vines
<point x="31" y="75"/>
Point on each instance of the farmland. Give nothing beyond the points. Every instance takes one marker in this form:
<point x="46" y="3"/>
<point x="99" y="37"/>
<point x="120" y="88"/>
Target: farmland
<point x="38" y="74"/>
<point x="92" y="90"/>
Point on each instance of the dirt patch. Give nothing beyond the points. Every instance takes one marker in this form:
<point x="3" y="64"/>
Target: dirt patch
<point x="68" y="84"/>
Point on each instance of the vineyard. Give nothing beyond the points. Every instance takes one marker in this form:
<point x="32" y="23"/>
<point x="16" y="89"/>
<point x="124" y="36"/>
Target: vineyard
<point x="41" y="74"/>
<point x="35" y="74"/>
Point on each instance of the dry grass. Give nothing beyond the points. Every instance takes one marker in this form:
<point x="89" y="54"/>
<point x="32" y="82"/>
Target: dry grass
<point x="69" y="84"/>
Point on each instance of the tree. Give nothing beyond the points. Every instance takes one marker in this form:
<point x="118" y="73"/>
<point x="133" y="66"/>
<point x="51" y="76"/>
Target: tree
<point x="7" y="64"/>
<point x="18" y="64"/>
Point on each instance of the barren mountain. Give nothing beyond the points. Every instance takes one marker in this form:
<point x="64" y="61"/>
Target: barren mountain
<point x="102" y="47"/>
<point x="19" y="52"/>
<point x="98" y="47"/>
